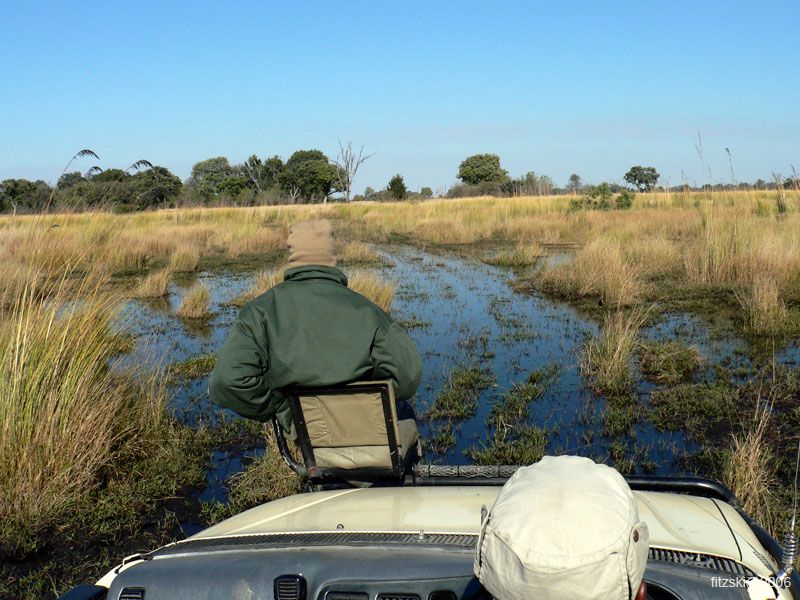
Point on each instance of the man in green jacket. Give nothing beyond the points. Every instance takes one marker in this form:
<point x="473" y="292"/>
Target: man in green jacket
<point x="311" y="330"/>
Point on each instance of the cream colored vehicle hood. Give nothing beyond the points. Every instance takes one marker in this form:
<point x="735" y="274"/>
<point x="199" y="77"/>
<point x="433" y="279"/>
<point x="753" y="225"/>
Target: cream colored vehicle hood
<point x="676" y="522"/>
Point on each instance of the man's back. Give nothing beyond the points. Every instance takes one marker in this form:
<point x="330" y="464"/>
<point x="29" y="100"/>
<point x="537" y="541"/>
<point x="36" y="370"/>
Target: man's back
<point x="310" y="330"/>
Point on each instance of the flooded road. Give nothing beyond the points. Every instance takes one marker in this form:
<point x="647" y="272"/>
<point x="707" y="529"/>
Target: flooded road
<point x="461" y="313"/>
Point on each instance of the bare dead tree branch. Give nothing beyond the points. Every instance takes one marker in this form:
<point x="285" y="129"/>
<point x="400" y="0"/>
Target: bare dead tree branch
<point x="347" y="164"/>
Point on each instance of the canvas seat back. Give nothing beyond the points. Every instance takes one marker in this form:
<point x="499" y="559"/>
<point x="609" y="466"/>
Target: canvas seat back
<point x="352" y="431"/>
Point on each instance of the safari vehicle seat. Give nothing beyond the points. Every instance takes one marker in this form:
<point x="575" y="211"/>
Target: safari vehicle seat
<point x="349" y="433"/>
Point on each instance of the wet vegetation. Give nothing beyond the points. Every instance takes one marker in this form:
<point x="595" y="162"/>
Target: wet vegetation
<point x="668" y="363"/>
<point x="459" y="397"/>
<point x="661" y="338"/>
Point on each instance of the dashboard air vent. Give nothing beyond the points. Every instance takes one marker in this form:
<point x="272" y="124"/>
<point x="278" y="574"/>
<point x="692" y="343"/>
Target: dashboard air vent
<point x="131" y="594"/>
<point x="290" y="587"/>
<point x="397" y="597"/>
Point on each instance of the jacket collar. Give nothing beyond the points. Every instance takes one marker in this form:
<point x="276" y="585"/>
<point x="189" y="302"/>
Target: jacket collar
<point x="306" y="272"/>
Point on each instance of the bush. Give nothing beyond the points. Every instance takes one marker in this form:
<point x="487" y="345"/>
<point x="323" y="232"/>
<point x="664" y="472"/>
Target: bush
<point x="625" y="200"/>
<point x="600" y="197"/>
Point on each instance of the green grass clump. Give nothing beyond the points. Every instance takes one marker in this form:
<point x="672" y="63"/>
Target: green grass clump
<point x="512" y="408"/>
<point x="699" y="409"/>
<point x="525" y="447"/>
<point x="191" y="368"/>
<point x="669" y="362"/>
<point x="459" y="397"/>
<point x="443" y="439"/>
<point x="619" y="417"/>
<point x="521" y="256"/>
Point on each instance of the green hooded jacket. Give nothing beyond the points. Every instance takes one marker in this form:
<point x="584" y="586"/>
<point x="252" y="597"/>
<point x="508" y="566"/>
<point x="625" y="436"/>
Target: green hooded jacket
<point x="310" y="330"/>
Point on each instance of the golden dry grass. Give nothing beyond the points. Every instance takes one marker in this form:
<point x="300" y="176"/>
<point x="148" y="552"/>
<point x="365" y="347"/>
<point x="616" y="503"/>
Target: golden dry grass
<point x="184" y="259"/>
<point x="750" y="470"/>
<point x="356" y="253"/>
<point x="373" y="287"/>
<point x="600" y="269"/>
<point x="261" y="241"/>
<point x="155" y="285"/>
<point x="264" y="280"/>
<point x="64" y="415"/>
<point x="195" y="303"/>
<point x="763" y="310"/>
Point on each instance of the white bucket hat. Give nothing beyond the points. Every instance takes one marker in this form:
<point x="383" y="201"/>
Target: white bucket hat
<point x="564" y="527"/>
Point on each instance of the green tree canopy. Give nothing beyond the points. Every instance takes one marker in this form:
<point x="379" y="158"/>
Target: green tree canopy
<point x="397" y="187"/>
<point x="481" y="167"/>
<point x="207" y="175"/>
<point x="308" y="175"/>
<point x="644" y="178"/>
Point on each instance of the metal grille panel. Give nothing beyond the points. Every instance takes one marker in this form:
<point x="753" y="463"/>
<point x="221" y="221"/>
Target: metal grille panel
<point x="705" y="561"/>
<point x="460" y="540"/>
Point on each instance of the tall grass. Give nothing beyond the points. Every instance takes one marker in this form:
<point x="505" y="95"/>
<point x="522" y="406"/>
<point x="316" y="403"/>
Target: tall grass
<point x="64" y="415"/>
<point x="154" y="285"/>
<point x="600" y="269"/>
<point x="195" y="303"/>
<point x="763" y="310"/>
<point x="750" y="471"/>
<point x="373" y="287"/>
<point x="356" y="253"/>
<point x="606" y="359"/>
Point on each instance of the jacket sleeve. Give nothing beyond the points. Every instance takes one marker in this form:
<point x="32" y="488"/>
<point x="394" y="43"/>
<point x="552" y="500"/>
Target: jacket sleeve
<point x="238" y="380"/>
<point x="395" y="357"/>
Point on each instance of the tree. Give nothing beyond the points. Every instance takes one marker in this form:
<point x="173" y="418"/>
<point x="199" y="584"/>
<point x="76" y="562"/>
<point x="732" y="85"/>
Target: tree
<point x="481" y="167"/>
<point x="155" y="186"/>
<point x="426" y="192"/>
<point x="347" y="164"/>
<point x="207" y="175"/>
<point x="574" y="183"/>
<point x="16" y="194"/>
<point x="397" y="187"/>
<point x="309" y="175"/>
<point x="67" y="180"/>
<point x="644" y="178"/>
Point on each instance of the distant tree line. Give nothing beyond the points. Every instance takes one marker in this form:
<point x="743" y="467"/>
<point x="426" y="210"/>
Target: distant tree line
<point x="307" y="176"/>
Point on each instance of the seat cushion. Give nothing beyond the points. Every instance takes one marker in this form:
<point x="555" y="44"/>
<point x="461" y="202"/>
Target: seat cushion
<point x="364" y="456"/>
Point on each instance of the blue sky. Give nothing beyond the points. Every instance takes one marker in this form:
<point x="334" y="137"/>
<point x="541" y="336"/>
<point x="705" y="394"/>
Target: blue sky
<point x="572" y="87"/>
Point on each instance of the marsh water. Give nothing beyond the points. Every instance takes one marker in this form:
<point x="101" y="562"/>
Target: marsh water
<point x="461" y="313"/>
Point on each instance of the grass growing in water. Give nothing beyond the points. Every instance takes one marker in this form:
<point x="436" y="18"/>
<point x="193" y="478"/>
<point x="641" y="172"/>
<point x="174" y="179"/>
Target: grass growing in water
<point x="763" y="310"/>
<point x="154" y="285"/>
<point x="669" y="362"/>
<point x="526" y="447"/>
<point x="192" y="368"/>
<point x="356" y="253"/>
<point x="195" y="303"/>
<point x="606" y="360"/>
<point x="523" y="255"/>
<point x="459" y="397"/>
<point x="184" y="259"/>
<point x="699" y="409"/>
